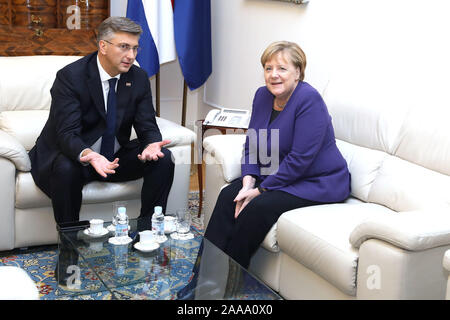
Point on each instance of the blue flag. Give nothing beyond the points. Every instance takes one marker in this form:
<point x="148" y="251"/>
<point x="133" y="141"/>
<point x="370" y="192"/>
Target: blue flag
<point x="148" y="55"/>
<point x="192" y="28"/>
<point x="187" y="27"/>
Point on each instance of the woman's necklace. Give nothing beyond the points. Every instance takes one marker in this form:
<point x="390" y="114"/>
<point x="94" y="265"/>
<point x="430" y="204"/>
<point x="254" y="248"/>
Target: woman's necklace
<point x="278" y="107"/>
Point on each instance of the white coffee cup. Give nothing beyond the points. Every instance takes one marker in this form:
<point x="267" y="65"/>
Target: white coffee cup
<point x="146" y="237"/>
<point x="96" y="226"/>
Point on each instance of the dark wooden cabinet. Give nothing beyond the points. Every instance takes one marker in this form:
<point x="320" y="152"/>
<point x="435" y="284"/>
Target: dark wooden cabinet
<point x="50" y="27"/>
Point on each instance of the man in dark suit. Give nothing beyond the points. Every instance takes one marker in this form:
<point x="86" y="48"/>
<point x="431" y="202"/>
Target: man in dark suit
<point x="95" y="102"/>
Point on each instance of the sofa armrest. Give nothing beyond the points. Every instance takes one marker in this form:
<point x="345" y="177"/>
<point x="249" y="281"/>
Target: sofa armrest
<point x="446" y="264"/>
<point x="413" y="230"/>
<point x="225" y="150"/>
<point x="446" y="261"/>
<point x="11" y="149"/>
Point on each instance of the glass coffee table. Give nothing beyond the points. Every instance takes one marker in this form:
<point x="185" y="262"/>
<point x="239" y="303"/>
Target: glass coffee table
<point x="178" y="269"/>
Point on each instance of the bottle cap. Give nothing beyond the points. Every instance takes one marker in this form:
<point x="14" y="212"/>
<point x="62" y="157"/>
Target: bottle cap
<point x="122" y="210"/>
<point x="158" y="209"/>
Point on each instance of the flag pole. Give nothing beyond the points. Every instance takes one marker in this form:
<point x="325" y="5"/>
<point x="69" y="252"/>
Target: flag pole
<point x="183" y="112"/>
<point x="157" y="95"/>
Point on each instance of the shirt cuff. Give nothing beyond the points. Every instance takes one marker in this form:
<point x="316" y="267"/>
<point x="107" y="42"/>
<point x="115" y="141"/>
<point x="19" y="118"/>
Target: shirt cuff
<point x="79" y="157"/>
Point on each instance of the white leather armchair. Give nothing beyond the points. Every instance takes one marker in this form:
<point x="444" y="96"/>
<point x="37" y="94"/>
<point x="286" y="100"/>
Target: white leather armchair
<point x="16" y="284"/>
<point x="446" y="264"/>
<point x="27" y="215"/>
<point x="388" y="239"/>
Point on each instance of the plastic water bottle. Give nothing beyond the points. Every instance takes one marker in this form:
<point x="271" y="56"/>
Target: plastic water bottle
<point x="121" y="259"/>
<point x="121" y="220"/>
<point x="158" y="225"/>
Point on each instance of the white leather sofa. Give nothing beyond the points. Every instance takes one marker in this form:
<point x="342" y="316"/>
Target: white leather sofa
<point x="26" y="213"/>
<point x="16" y="284"/>
<point x="446" y="263"/>
<point x="387" y="241"/>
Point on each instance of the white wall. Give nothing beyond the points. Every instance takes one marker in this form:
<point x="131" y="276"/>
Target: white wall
<point x="402" y="46"/>
<point x="399" y="48"/>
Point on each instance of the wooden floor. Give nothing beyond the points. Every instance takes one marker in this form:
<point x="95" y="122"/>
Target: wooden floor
<point x="193" y="185"/>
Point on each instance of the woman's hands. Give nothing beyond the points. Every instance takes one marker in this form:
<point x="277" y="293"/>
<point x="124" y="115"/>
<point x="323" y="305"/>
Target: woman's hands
<point x="245" y="195"/>
<point x="243" y="198"/>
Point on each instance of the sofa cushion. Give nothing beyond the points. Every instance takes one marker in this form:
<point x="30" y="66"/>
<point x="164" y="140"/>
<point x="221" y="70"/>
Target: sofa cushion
<point x="363" y="116"/>
<point x="363" y="164"/>
<point x="405" y="186"/>
<point x="26" y="125"/>
<point x="424" y="138"/>
<point x="25" y="90"/>
<point x="318" y="238"/>
<point x="13" y="150"/>
<point x="28" y="195"/>
<point x="225" y="150"/>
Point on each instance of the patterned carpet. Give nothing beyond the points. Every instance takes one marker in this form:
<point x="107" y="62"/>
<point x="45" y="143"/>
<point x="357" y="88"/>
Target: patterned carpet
<point x="40" y="263"/>
<point x="159" y="276"/>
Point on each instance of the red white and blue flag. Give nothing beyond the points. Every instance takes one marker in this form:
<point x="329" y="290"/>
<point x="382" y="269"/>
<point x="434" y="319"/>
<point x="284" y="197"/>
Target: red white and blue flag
<point x="172" y="27"/>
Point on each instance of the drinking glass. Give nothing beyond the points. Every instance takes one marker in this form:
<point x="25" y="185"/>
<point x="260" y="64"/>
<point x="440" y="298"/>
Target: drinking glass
<point x="183" y="225"/>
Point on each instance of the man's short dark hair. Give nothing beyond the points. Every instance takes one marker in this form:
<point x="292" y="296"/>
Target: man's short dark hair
<point x="111" y="25"/>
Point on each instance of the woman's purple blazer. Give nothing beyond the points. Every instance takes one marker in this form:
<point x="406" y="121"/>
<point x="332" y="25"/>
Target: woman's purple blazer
<point x="309" y="164"/>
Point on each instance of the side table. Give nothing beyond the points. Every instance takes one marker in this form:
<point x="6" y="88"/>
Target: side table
<point x="204" y="128"/>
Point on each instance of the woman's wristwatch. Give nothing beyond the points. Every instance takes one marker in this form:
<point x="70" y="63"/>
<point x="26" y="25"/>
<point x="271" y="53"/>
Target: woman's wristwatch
<point x="261" y="190"/>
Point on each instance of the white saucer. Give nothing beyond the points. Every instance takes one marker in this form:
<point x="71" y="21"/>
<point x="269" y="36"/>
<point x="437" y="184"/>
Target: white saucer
<point x="95" y="235"/>
<point x="119" y="241"/>
<point x="189" y="236"/>
<point x="147" y="247"/>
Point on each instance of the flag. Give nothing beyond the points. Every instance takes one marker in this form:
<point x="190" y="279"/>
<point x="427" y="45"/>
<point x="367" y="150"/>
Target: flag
<point x="172" y="27"/>
<point x="157" y="40"/>
<point x="192" y="29"/>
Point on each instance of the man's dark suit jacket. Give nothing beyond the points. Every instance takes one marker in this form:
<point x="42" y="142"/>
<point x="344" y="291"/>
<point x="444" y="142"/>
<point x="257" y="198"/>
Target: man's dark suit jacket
<point x="77" y="116"/>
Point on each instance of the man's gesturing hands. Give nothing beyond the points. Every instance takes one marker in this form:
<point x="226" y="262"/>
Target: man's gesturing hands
<point x="104" y="167"/>
<point x="153" y="151"/>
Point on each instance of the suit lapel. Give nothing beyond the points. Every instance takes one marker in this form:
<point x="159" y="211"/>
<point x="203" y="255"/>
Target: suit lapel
<point x="95" y="87"/>
<point x="123" y="95"/>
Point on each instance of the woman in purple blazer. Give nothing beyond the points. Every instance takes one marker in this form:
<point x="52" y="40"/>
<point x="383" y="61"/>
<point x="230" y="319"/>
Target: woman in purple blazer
<point x="290" y="158"/>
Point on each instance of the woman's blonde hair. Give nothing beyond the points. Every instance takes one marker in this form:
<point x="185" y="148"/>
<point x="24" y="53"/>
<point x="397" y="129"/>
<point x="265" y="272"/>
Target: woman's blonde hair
<point x="296" y="55"/>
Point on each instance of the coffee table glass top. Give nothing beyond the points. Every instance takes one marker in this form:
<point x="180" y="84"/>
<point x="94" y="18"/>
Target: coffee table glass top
<point x="178" y="269"/>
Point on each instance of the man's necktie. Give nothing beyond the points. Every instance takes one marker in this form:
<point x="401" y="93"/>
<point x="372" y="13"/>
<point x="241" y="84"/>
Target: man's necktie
<point x="108" y="138"/>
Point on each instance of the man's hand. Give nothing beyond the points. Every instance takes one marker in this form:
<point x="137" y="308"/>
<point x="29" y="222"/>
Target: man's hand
<point x="102" y="165"/>
<point x="153" y="151"/>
